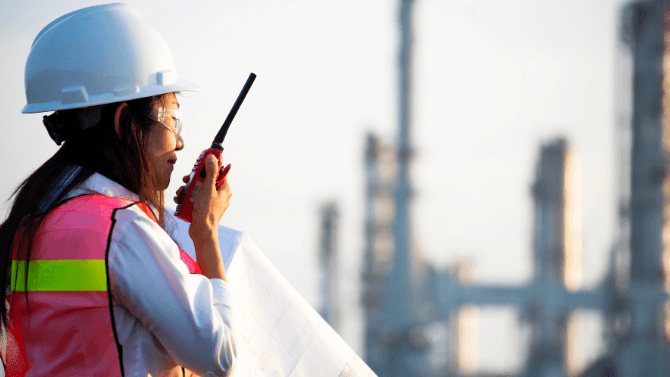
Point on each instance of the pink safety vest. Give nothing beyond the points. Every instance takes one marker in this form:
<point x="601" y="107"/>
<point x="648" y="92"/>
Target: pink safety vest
<point x="70" y="328"/>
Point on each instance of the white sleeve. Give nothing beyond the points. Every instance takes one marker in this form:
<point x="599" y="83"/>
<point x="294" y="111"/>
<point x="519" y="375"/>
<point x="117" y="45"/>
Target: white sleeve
<point x="189" y="314"/>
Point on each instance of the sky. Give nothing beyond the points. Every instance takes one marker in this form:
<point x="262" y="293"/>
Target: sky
<point x="492" y="80"/>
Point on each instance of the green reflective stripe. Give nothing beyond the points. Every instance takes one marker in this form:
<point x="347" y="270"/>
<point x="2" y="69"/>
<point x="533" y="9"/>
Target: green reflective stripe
<point x="60" y="275"/>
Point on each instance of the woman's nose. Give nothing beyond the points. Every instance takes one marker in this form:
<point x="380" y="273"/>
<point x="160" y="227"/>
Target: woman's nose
<point x="180" y="143"/>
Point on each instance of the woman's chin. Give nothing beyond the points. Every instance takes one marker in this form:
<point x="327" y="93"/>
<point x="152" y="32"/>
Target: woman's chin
<point x="165" y="185"/>
<point x="162" y="183"/>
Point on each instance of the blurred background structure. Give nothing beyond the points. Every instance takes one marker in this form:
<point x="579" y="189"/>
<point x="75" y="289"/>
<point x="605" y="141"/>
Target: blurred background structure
<point x="329" y="308"/>
<point x="405" y="299"/>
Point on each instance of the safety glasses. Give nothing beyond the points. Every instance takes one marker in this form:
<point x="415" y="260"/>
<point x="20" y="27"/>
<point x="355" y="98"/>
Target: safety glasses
<point x="159" y="114"/>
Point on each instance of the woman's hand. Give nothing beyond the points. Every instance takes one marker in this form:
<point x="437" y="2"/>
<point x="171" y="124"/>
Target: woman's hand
<point x="210" y="204"/>
<point x="208" y="208"/>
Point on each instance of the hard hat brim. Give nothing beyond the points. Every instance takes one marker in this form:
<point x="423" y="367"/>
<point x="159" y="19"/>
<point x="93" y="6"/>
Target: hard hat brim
<point x="117" y="96"/>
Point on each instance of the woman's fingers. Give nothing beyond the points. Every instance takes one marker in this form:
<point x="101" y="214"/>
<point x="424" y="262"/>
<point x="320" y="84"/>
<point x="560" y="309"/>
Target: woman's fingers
<point x="225" y="188"/>
<point x="180" y="191"/>
<point x="211" y="167"/>
<point x="223" y="173"/>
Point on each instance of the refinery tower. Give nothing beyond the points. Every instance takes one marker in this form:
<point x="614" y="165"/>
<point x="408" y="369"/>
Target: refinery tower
<point x="403" y="297"/>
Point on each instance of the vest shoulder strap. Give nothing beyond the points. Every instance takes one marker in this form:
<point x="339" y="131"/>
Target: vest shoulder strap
<point x="81" y="202"/>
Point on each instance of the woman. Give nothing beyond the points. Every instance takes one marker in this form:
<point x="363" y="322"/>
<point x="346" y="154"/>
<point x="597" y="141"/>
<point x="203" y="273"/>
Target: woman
<point x="98" y="286"/>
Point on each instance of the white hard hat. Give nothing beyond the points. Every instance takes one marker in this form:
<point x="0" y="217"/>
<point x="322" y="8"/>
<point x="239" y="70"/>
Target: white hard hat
<point x="98" y="55"/>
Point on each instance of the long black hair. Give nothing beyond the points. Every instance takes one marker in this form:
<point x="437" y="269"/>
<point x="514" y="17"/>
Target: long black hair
<point x="117" y="154"/>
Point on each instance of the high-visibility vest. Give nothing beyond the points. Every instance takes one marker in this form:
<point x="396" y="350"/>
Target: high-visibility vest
<point x="69" y="329"/>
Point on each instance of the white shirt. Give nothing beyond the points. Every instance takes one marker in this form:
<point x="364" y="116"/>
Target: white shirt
<point x="164" y="316"/>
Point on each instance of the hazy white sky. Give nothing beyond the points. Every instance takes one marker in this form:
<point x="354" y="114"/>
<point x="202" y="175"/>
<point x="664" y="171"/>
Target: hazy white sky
<point x="493" y="79"/>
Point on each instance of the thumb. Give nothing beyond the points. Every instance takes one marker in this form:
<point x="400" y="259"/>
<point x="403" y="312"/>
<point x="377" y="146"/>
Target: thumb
<point x="211" y="168"/>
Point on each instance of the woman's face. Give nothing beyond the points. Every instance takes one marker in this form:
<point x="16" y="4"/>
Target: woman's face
<point x="162" y="146"/>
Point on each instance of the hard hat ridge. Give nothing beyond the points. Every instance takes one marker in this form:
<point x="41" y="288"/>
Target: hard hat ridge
<point x="98" y="55"/>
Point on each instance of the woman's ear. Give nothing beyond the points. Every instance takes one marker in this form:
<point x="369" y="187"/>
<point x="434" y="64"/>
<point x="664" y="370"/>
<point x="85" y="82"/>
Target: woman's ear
<point x="119" y="116"/>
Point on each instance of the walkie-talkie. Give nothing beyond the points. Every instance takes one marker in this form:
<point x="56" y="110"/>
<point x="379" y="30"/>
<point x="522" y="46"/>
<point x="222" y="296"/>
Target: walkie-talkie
<point x="197" y="177"/>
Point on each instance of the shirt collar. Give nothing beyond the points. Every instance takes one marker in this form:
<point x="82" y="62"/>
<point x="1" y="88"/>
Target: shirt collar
<point x="99" y="184"/>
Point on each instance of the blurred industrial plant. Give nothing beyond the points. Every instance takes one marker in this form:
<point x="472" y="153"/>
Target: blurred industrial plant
<point x="404" y="298"/>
